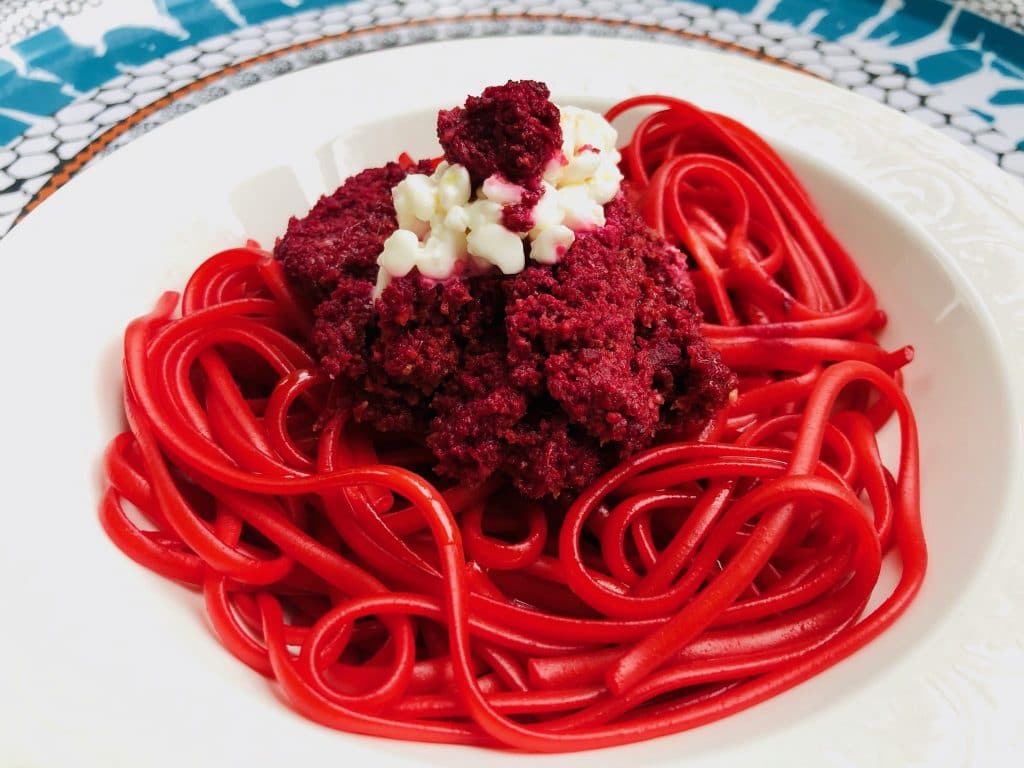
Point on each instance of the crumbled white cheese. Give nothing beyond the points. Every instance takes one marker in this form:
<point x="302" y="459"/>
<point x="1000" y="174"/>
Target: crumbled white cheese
<point x="441" y="222"/>
<point x="589" y="157"/>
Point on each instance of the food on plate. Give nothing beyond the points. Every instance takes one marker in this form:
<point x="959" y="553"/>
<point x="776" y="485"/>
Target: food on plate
<point x="570" y="339"/>
<point x="547" y="443"/>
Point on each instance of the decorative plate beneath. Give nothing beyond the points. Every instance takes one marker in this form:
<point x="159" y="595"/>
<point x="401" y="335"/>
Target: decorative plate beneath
<point x="79" y="78"/>
<point x="101" y="641"/>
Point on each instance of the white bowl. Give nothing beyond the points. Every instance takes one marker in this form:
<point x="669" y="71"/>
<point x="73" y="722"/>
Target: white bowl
<point x="117" y="666"/>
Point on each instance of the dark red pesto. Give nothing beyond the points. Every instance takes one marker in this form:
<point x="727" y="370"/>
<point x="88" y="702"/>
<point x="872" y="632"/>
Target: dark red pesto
<point x="548" y="377"/>
<point x="519" y="216"/>
<point x="345" y="231"/>
<point x="510" y="129"/>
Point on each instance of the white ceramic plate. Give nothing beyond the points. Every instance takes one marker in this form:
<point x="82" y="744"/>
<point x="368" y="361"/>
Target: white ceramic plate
<point x="106" y="664"/>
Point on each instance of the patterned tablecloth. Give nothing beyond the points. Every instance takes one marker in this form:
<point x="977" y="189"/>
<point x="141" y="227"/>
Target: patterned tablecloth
<point x="79" y="78"/>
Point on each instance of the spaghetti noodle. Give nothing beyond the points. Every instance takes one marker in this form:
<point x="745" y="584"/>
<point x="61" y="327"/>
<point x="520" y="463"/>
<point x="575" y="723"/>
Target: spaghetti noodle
<point x="693" y="580"/>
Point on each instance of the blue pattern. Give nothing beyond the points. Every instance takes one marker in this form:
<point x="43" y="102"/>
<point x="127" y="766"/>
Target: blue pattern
<point x="1009" y="97"/>
<point x="52" y="54"/>
<point x="258" y="11"/>
<point x="200" y="18"/>
<point x="30" y="94"/>
<point x="841" y="18"/>
<point x="940" y="47"/>
<point x="922" y="18"/>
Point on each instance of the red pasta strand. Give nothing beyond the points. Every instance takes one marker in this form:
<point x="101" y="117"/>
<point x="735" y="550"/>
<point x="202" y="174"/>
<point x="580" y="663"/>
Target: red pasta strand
<point x="690" y="582"/>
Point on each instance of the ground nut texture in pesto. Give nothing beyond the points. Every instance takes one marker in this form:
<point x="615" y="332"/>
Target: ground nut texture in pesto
<point x="549" y="376"/>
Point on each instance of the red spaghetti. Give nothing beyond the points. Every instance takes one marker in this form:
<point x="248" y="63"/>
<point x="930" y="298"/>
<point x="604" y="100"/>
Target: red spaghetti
<point x="693" y="580"/>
